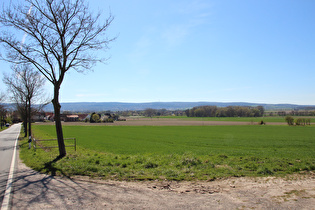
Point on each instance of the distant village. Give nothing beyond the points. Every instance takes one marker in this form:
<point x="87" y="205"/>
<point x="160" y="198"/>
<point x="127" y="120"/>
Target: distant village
<point x="93" y="117"/>
<point x="75" y="117"/>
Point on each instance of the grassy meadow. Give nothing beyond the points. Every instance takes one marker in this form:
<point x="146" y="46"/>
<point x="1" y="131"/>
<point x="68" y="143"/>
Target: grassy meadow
<point x="177" y="152"/>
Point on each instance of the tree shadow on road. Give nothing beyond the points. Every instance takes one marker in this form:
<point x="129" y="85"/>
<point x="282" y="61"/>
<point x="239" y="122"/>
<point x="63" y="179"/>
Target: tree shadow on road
<point x="7" y="148"/>
<point x="31" y="188"/>
<point x="4" y="148"/>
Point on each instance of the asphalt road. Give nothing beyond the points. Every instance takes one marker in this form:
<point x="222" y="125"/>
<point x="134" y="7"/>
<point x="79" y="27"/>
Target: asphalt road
<point x="7" y="144"/>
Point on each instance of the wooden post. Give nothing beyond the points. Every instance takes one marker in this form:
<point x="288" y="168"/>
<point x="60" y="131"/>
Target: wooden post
<point x="29" y="142"/>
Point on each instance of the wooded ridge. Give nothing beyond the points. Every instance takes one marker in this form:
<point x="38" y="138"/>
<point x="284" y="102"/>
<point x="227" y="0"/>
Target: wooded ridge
<point x="120" y="106"/>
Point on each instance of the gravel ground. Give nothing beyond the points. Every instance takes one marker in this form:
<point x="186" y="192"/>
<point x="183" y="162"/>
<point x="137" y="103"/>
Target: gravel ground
<point x="33" y="190"/>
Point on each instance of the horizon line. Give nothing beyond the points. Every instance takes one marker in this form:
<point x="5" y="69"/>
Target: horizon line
<point x="189" y="102"/>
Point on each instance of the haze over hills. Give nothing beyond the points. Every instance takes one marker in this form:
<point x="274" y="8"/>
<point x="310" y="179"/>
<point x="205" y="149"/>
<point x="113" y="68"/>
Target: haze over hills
<point x="119" y="106"/>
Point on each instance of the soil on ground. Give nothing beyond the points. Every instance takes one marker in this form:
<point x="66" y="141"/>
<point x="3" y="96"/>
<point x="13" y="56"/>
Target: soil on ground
<point x="33" y="190"/>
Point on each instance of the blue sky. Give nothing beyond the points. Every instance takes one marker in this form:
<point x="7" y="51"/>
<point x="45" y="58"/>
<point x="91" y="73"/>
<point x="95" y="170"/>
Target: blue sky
<point x="260" y="51"/>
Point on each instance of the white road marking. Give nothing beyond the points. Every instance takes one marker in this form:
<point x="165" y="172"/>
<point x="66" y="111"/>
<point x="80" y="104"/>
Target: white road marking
<point x="7" y="194"/>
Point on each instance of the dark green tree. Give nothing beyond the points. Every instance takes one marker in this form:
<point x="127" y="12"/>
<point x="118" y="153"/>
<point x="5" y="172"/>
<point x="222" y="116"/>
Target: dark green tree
<point x="289" y="120"/>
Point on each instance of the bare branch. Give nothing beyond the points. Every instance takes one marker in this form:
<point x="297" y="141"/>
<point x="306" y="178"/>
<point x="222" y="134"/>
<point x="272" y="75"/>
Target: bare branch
<point x="61" y="35"/>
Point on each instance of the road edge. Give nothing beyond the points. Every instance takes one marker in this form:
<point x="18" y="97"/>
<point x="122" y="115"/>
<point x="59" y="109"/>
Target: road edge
<point x="8" y="192"/>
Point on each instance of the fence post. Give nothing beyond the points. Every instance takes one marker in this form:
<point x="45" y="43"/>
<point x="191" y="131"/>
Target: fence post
<point x="75" y="144"/>
<point x="29" y="142"/>
<point x="35" y="144"/>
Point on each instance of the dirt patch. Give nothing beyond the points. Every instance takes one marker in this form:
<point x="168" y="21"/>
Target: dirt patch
<point x="289" y="188"/>
<point x="39" y="191"/>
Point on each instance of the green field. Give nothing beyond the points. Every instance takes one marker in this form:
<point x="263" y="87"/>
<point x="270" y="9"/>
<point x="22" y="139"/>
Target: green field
<point x="179" y="152"/>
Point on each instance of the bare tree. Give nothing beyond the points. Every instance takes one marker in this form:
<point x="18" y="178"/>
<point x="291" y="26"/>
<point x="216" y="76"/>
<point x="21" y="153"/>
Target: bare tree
<point x="2" y="97"/>
<point x="2" y="110"/>
<point x="26" y="87"/>
<point x="62" y="35"/>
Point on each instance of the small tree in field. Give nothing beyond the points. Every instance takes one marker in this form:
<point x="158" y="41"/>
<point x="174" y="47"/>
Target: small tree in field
<point x="61" y="35"/>
<point x="289" y="120"/>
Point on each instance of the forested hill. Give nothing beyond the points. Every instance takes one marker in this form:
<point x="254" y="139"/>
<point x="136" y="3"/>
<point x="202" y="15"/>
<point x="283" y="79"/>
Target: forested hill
<point x="117" y="106"/>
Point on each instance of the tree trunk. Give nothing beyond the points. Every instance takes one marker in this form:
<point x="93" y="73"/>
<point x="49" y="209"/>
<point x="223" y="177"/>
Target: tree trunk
<point x="29" y="118"/>
<point x="25" y="126"/>
<point x="25" y="120"/>
<point x="55" y="101"/>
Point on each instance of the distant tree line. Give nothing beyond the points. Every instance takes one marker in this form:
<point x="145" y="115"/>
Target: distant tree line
<point x="200" y="111"/>
<point x="302" y="113"/>
<point x="230" y="111"/>
<point x="149" y="112"/>
<point x="293" y="113"/>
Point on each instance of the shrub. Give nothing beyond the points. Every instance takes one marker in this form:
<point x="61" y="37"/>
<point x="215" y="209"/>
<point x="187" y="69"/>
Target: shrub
<point x="302" y="121"/>
<point x="289" y="120"/>
<point x="108" y="120"/>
